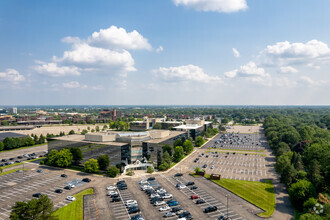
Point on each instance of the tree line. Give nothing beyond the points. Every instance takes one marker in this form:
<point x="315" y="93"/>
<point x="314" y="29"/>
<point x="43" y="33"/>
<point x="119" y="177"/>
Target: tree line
<point x="16" y="142"/>
<point x="302" y="158"/>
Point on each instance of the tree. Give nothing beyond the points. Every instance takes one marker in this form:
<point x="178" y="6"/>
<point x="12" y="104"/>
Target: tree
<point x="104" y="161"/>
<point x="91" y="166"/>
<point x="309" y="216"/>
<point x="288" y="175"/>
<point x="77" y="154"/>
<point x="2" y="146"/>
<point x="36" y="209"/>
<point x="84" y="132"/>
<point x="197" y="169"/>
<point x="309" y="204"/>
<point x="4" y="123"/>
<point x="71" y="132"/>
<point x="29" y="141"/>
<point x="97" y="128"/>
<point x="178" y="153"/>
<point x="177" y="142"/>
<point x="157" y="126"/>
<point x="113" y="171"/>
<point x="150" y="170"/>
<point x="299" y="192"/>
<point x="167" y="158"/>
<point x="168" y="148"/>
<point x="282" y="149"/>
<point x="42" y="139"/>
<point x="163" y="166"/>
<point x="188" y="146"/>
<point x="92" y="130"/>
<point x="63" y="158"/>
<point x="105" y="127"/>
<point x="199" y="141"/>
<point x="88" y="128"/>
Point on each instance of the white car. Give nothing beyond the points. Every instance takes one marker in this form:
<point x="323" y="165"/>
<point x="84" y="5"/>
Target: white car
<point x="111" y="193"/>
<point x="70" y="198"/>
<point x="161" y="191"/>
<point x="130" y="202"/>
<point x="145" y="187"/>
<point x="212" y="167"/>
<point x="111" y="187"/>
<point x="143" y="181"/>
<point x="154" y="195"/>
<point x="181" y="186"/>
<point x="164" y="208"/>
<point x="182" y="218"/>
<point x="167" y="196"/>
<point x="158" y="203"/>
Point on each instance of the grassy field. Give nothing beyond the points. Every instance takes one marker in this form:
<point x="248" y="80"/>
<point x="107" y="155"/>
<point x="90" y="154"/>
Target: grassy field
<point x="20" y="163"/>
<point x="11" y="171"/>
<point x="258" y="193"/>
<point x="73" y="211"/>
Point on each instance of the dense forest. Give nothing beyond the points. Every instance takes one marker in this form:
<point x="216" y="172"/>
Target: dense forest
<point x="301" y="143"/>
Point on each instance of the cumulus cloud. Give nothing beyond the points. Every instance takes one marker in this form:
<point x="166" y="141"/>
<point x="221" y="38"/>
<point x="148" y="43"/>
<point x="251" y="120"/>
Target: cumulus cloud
<point x="250" y="72"/>
<point x="226" y="6"/>
<point x="88" y="56"/>
<point x="73" y="85"/>
<point x="52" y="69"/>
<point x="236" y="53"/>
<point x="306" y="80"/>
<point x="159" y="49"/>
<point x="11" y="75"/>
<point x="186" y="73"/>
<point x="288" y="69"/>
<point x="286" y="53"/>
<point x="114" y="37"/>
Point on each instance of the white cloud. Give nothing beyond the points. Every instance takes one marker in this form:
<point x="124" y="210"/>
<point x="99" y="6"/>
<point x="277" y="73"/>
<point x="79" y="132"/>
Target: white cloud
<point x="11" y="75"/>
<point x="306" y="80"/>
<point x="312" y="65"/>
<point x="236" y="53"/>
<point x="250" y="72"/>
<point x="52" y="69"/>
<point x="159" y="49"/>
<point x="186" y="73"/>
<point x="284" y="82"/>
<point x="286" y="53"/>
<point x="226" y="6"/>
<point x="114" y="37"/>
<point x="73" y="85"/>
<point x="288" y="69"/>
<point x="88" y="56"/>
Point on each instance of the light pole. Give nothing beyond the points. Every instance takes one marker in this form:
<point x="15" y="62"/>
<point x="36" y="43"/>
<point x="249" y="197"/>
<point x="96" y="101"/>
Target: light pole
<point x="227" y="206"/>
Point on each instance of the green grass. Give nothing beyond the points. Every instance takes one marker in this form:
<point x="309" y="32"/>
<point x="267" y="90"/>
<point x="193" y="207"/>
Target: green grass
<point x="11" y="171"/>
<point x="20" y="163"/>
<point x="258" y="193"/>
<point x="73" y="211"/>
<point x="36" y="145"/>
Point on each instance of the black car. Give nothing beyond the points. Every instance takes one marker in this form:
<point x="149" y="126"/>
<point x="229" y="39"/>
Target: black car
<point x="87" y="180"/>
<point x="122" y="186"/>
<point x="133" y="209"/>
<point x="150" y="191"/>
<point x="68" y="187"/>
<point x="11" y="158"/>
<point x="151" y="178"/>
<point x="17" y="161"/>
<point x="116" y="199"/>
<point x="176" y="209"/>
<point x="115" y="195"/>
<point x="207" y="156"/>
<point x="37" y="195"/>
<point x="205" y="165"/>
<point x="210" y="209"/>
<point x="193" y="187"/>
<point x="178" y="174"/>
<point x="4" y="160"/>
<point x="59" y="190"/>
<point x="190" y="183"/>
<point x="200" y="201"/>
<point x="136" y="217"/>
<point x="64" y="175"/>
<point x="121" y="182"/>
<point x="155" y="199"/>
<point x="184" y="214"/>
<point x="19" y="157"/>
<point x="195" y="161"/>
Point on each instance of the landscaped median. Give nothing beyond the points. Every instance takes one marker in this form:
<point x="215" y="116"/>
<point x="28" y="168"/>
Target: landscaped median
<point x="258" y="193"/>
<point x="11" y="171"/>
<point x="74" y="210"/>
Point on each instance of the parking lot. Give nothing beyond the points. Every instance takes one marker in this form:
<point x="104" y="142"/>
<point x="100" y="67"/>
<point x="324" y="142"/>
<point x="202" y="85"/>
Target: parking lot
<point x="21" y="186"/>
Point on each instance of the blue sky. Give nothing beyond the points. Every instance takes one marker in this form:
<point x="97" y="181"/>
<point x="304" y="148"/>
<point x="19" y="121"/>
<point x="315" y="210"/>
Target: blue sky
<point x="219" y="52"/>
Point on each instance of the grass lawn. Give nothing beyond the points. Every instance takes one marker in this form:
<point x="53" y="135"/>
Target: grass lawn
<point x="258" y="193"/>
<point x="73" y="211"/>
<point x="11" y="171"/>
<point x="20" y="163"/>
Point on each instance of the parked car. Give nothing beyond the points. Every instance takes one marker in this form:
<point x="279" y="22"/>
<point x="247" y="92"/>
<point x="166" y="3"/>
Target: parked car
<point x="137" y="217"/>
<point x="19" y="157"/>
<point x="39" y="170"/>
<point x="175" y="203"/>
<point x="151" y="178"/>
<point x="128" y="202"/>
<point x="194" y="196"/>
<point x="212" y="167"/>
<point x="193" y="187"/>
<point x="200" y="201"/>
<point x="176" y="209"/>
<point x="169" y="214"/>
<point x="205" y="165"/>
<point x="116" y="199"/>
<point x="68" y="187"/>
<point x="164" y="208"/>
<point x="190" y="183"/>
<point x="87" y="180"/>
<point x="110" y="193"/>
<point x="64" y="175"/>
<point x="111" y="187"/>
<point x="70" y="198"/>
<point x="37" y="195"/>
<point x="58" y="190"/>
<point x="178" y="174"/>
<point x="184" y="214"/>
<point x="210" y="209"/>
<point x="133" y="209"/>
<point x="158" y="203"/>
<point x="167" y="196"/>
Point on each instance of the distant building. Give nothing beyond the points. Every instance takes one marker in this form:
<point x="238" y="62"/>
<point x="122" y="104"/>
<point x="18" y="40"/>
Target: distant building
<point x="194" y="127"/>
<point x="13" y="110"/>
<point x="149" y="123"/>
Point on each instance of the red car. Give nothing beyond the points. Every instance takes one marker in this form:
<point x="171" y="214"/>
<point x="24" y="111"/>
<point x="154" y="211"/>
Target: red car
<point x="194" y="197"/>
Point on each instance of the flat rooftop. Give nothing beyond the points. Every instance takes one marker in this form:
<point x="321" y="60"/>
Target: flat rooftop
<point x="81" y="138"/>
<point x="171" y="135"/>
<point x="192" y="126"/>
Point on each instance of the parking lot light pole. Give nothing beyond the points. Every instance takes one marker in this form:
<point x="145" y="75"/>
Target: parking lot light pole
<point x="227" y="206"/>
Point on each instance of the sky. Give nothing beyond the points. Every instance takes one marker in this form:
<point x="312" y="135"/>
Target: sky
<point x="164" y="52"/>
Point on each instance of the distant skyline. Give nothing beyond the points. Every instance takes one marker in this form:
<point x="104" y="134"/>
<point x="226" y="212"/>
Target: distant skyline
<point x="164" y="52"/>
